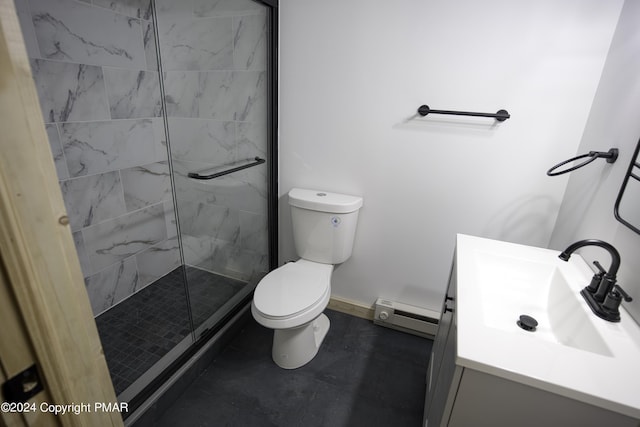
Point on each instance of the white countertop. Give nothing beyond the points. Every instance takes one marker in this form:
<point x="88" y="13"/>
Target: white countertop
<point x="602" y="368"/>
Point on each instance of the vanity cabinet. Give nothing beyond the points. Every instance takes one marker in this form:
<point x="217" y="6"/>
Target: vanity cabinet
<point x="460" y="396"/>
<point x="442" y="371"/>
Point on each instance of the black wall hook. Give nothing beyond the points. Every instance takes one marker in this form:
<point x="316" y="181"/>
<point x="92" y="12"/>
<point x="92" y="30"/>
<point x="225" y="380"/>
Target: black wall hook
<point x="611" y="156"/>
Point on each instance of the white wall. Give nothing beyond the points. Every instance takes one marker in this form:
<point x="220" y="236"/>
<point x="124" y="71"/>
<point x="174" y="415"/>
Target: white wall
<point x="353" y="73"/>
<point x="587" y="208"/>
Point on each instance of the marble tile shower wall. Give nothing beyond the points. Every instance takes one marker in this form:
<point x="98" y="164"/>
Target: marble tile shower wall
<point x="95" y="68"/>
<point x="214" y="64"/>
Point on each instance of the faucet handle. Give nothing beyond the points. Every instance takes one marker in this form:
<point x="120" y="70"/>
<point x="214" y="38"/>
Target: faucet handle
<point x="597" y="278"/>
<point x="612" y="302"/>
<point x="599" y="267"/>
<point x="617" y="289"/>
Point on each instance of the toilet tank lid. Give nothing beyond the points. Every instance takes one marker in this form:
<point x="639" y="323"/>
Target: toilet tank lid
<point x="324" y="201"/>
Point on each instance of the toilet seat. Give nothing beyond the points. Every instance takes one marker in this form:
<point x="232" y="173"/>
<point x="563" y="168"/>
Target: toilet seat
<point x="293" y="294"/>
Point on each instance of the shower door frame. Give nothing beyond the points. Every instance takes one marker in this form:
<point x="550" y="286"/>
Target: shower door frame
<point x="199" y="341"/>
<point x="272" y="141"/>
<point x="272" y="135"/>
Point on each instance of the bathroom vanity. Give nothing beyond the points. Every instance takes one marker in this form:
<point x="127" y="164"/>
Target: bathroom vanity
<point x="487" y="370"/>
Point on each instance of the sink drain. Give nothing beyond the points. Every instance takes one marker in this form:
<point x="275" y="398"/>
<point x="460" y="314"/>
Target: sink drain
<point x="527" y="323"/>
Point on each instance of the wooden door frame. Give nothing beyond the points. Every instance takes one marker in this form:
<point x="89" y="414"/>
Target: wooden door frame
<point x="45" y="311"/>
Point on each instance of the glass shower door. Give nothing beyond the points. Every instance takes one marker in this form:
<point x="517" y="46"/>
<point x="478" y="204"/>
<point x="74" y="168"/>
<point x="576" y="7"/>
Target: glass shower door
<point x="129" y="115"/>
<point x="214" y="72"/>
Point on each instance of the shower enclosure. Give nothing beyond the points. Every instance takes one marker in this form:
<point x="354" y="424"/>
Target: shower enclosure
<point x="161" y="120"/>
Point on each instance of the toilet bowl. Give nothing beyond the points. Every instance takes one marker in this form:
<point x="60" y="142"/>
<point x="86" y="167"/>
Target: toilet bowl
<point x="290" y="299"/>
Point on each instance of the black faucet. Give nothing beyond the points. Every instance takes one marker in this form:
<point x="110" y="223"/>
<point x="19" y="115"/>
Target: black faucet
<point x="605" y="285"/>
<point x="603" y="294"/>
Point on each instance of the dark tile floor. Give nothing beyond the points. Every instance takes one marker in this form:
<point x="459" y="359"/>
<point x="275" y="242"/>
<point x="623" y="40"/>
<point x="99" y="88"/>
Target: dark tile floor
<point x="208" y="292"/>
<point x="139" y="331"/>
<point x="364" y="375"/>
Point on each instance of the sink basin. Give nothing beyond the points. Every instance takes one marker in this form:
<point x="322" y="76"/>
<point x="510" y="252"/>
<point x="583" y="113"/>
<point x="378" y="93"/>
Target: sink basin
<point x="511" y="286"/>
<point x="572" y="352"/>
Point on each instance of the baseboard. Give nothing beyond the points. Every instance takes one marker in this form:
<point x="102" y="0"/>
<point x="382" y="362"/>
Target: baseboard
<point x="351" y="307"/>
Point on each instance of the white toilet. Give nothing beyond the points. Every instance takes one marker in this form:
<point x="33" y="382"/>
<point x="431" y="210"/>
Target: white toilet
<point x="291" y="298"/>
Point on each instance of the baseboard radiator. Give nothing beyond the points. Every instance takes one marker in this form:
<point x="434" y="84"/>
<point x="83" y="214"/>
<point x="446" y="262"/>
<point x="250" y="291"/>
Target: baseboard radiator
<point x="406" y="318"/>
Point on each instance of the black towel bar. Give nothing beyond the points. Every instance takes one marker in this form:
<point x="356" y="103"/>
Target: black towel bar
<point x="500" y="116"/>
<point x="256" y="161"/>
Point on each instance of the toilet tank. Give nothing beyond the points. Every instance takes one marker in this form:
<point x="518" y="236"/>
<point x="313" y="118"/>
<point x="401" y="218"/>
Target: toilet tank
<point x="324" y="224"/>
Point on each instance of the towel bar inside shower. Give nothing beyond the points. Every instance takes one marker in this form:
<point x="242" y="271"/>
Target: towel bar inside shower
<point x="254" y="162"/>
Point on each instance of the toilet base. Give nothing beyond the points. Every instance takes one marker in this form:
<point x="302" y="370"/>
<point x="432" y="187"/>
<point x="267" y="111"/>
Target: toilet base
<point x="295" y="347"/>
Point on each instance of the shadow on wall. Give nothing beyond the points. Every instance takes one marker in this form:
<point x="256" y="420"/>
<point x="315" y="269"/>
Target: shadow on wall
<point x="479" y="126"/>
<point x="419" y="294"/>
<point x="521" y="221"/>
<point x="580" y="203"/>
